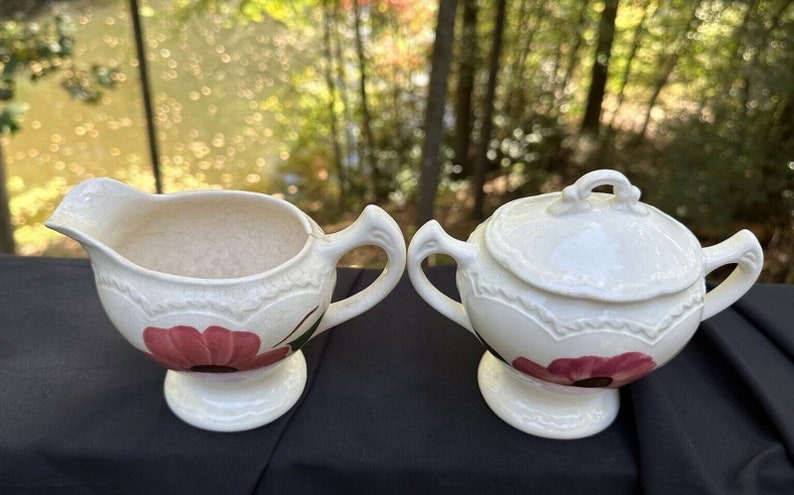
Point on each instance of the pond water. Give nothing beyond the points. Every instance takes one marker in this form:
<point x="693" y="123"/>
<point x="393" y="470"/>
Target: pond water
<point x="216" y="84"/>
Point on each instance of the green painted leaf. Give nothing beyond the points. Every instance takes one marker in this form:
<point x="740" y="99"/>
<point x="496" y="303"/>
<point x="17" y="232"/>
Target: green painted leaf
<point x="298" y="343"/>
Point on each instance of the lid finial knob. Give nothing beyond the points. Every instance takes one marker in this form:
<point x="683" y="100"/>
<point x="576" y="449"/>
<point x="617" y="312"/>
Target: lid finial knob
<point x="574" y="197"/>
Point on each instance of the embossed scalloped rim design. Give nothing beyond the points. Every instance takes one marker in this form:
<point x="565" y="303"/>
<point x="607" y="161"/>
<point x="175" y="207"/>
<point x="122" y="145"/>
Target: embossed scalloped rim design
<point x="561" y="329"/>
<point x="203" y="302"/>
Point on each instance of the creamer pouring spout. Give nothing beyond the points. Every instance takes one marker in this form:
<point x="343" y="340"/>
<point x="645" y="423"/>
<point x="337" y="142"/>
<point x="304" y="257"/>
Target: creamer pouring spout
<point x="94" y="213"/>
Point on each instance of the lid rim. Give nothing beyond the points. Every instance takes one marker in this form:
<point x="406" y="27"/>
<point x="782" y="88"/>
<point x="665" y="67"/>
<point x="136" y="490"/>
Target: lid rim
<point x="525" y="223"/>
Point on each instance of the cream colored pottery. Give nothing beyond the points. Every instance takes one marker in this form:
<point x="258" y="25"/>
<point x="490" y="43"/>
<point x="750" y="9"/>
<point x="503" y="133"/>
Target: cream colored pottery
<point x="577" y="293"/>
<point x="223" y="288"/>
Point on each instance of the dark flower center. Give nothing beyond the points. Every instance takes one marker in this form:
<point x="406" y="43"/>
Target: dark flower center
<point x="213" y="368"/>
<point x="594" y="382"/>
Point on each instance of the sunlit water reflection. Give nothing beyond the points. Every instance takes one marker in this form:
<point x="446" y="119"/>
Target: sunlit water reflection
<point x="218" y="87"/>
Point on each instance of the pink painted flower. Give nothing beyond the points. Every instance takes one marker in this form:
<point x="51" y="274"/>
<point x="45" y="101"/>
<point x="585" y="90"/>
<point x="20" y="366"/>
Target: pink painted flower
<point x="590" y="371"/>
<point x="216" y="350"/>
<point x="220" y="350"/>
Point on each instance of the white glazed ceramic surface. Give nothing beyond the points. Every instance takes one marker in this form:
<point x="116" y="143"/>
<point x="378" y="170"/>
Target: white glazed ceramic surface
<point x="575" y="294"/>
<point x="222" y="288"/>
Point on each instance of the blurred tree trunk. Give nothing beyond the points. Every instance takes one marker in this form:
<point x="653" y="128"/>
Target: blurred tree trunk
<point x="750" y="48"/>
<point x="647" y="12"/>
<point x="751" y="40"/>
<point x="573" y="58"/>
<point x="370" y="168"/>
<point x="441" y="59"/>
<point x="668" y="65"/>
<point x="781" y="123"/>
<point x="398" y="138"/>
<point x="334" y="121"/>
<point x="146" y="93"/>
<point x="467" y="69"/>
<point x="598" y="80"/>
<point x="529" y="24"/>
<point x="350" y="156"/>
<point x="481" y="168"/>
<point x="6" y="229"/>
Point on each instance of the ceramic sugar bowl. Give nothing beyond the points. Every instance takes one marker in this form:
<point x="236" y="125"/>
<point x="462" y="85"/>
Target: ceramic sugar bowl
<point x="577" y="293"/>
<point x="223" y="288"/>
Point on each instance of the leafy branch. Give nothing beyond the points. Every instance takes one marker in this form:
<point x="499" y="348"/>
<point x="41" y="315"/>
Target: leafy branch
<point x="35" y="50"/>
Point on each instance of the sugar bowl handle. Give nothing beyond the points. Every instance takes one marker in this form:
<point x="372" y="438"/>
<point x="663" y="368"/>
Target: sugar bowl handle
<point x="431" y="239"/>
<point x="373" y="228"/>
<point x="743" y="249"/>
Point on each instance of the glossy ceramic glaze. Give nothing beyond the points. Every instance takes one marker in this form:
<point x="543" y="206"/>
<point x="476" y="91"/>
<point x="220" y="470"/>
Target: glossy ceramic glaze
<point x="223" y="288"/>
<point x="577" y="293"/>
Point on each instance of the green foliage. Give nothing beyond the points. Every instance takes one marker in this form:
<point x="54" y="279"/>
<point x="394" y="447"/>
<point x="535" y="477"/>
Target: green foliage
<point x="736" y="150"/>
<point x="11" y="117"/>
<point x="708" y="181"/>
<point x="292" y="15"/>
<point x="36" y="49"/>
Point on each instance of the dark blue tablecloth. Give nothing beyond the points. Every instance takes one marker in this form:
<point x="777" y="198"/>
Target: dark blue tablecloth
<point x="391" y="406"/>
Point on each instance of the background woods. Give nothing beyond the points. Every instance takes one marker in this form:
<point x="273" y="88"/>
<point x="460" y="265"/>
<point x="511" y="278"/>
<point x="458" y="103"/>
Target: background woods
<point x="444" y="109"/>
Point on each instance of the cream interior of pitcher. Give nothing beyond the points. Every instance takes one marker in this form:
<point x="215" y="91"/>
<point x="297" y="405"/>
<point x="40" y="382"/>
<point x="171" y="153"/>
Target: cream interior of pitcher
<point x="213" y="236"/>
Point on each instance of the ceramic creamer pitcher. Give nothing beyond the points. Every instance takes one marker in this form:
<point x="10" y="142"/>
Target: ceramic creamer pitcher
<point x="222" y="288"/>
<point x="576" y="293"/>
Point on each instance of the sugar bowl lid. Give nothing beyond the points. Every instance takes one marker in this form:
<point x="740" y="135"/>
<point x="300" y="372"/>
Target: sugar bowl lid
<point x="585" y="244"/>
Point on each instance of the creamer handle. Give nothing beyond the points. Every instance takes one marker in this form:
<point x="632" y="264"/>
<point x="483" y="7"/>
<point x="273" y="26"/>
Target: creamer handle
<point x="431" y="239"/>
<point x="374" y="227"/>
<point x="743" y="249"/>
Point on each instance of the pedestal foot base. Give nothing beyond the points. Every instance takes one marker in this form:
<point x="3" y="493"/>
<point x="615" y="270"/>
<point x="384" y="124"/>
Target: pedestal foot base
<point x="238" y="401"/>
<point x="543" y="409"/>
